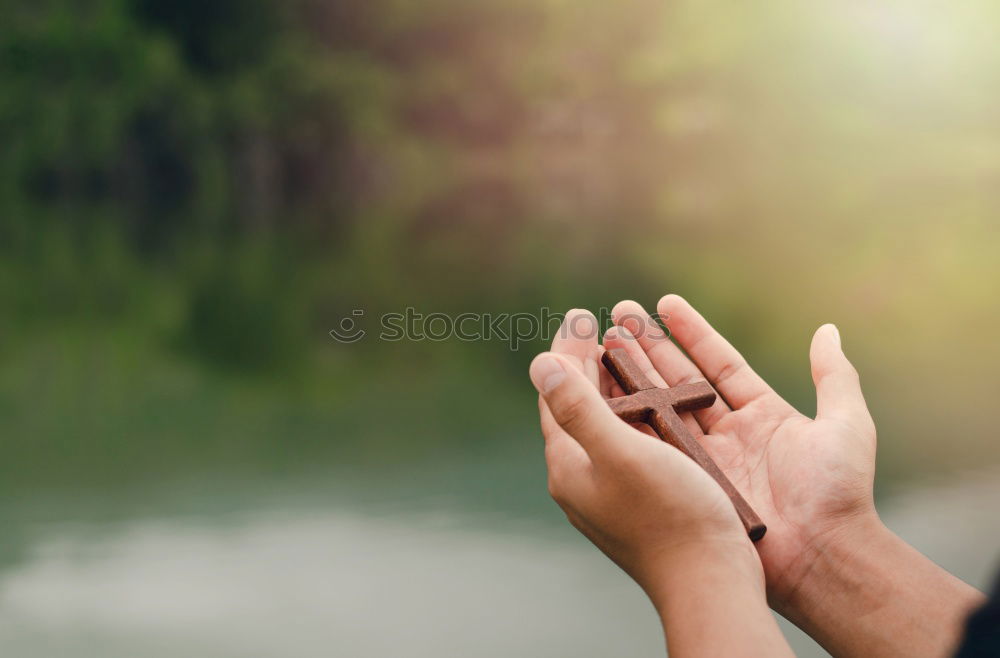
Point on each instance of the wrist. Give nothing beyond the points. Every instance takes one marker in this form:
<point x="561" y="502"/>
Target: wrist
<point x="895" y="601"/>
<point x="830" y="562"/>
<point x="724" y="564"/>
<point x="712" y="602"/>
<point x="826" y="560"/>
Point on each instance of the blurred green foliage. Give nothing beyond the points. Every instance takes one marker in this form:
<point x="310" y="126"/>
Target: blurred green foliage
<point x="193" y="193"/>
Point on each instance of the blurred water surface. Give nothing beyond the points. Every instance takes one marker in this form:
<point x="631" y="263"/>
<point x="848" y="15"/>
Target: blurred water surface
<point x="331" y="570"/>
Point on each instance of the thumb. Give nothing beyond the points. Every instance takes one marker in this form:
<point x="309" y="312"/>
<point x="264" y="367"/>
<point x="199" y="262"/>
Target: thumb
<point x="838" y="387"/>
<point x="575" y="403"/>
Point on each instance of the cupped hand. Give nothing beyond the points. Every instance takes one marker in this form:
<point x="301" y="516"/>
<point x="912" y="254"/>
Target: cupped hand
<point x="810" y="479"/>
<point x="641" y="501"/>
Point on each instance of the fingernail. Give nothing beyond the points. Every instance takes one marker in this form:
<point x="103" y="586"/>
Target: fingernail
<point x="546" y="373"/>
<point x="836" y="334"/>
<point x="625" y="333"/>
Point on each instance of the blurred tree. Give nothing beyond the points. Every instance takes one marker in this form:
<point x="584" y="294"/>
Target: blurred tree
<point x="216" y="37"/>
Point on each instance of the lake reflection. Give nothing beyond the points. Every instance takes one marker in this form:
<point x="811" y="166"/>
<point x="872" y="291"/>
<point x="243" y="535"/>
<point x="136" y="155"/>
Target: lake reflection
<point x="302" y="579"/>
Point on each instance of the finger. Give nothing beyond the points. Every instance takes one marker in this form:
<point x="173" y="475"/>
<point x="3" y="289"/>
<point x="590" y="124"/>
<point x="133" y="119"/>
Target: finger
<point x="576" y="405"/>
<point x="723" y="366"/>
<point x="606" y="383"/>
<point x="620" y="337"/>
<point x="577" y="339"/>
<point x="666" y="357"/>
<point x="838" y="387"/>
<point x="569" y="468"/>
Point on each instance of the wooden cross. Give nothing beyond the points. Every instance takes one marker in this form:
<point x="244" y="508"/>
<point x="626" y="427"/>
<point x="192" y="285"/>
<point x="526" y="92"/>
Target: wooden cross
<point x="659" y="407"/>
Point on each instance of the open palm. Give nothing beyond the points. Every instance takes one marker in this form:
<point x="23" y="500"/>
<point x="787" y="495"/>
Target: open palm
<point x="806" y="478"/>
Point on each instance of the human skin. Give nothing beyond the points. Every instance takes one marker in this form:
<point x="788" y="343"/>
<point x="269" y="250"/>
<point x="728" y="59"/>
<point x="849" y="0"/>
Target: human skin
<point x="829" y="563"/>
<point x="630" y="493"/>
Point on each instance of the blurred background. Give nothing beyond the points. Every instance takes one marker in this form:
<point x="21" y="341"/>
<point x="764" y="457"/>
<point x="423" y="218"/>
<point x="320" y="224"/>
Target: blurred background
<point x="193" y="194"/>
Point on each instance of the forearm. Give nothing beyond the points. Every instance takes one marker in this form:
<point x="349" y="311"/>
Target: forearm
<point x="714" y="604"/>
<point x="868" y="593"/>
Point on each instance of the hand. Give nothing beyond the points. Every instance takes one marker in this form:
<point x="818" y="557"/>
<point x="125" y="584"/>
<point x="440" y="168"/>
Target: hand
<point x="652" y="510"/>
<point x="637" y="498"/>
<point x="810" y="480"/>
<point x="831" y="566"/>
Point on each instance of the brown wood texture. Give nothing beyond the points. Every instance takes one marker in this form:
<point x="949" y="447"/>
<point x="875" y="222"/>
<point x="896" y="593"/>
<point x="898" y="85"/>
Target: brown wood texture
<point x="659" y="407"/>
